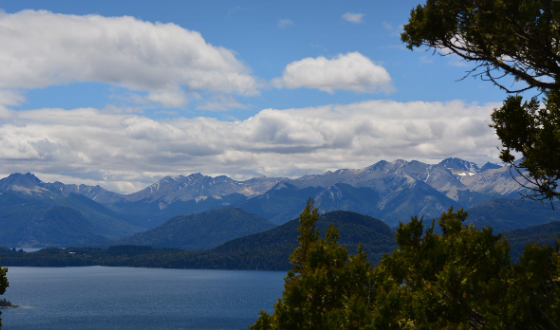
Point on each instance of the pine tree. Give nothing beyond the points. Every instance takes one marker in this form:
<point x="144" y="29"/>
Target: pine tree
<point x="461" y="279"/>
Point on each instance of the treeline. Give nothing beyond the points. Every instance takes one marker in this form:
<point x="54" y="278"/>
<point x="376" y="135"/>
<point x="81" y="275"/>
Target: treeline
<point x="263" y="251"/>
<point x="269" y="250"/>
<point x="140" y="256"/>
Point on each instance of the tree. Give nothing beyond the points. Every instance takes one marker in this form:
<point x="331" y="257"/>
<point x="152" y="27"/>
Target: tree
<point x="517" y="39"/>
<point x="3" y="284"/>
<point x="533" y="131"/>
<point x="326" y="289"/>
<point x="461" y="279"/>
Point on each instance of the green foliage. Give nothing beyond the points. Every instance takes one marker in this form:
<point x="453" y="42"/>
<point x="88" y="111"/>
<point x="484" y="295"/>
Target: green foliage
<point x="3" y="284"/>
<point x="546" y="234"/>
<point x="454" y="280"/>
<point x="533" y="131"/>
<point x="461" y="279"/>
<point x="325" y="286"/>
<point x="5" y="303"/>
<point x="517" y="38"/>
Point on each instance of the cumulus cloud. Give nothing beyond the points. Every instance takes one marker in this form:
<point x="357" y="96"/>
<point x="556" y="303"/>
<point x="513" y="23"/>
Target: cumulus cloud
<point x="352" y="71"/>
<point x="40" y="49"/>
<point x="126" y="152"/>
<point x="353" y="17"/>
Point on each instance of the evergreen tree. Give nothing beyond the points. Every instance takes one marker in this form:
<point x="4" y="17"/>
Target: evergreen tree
<point x="326" y="288"/>
<point x="461" y="279"/>
<point x="3" y="284"/>
<point x="517" y="39"/>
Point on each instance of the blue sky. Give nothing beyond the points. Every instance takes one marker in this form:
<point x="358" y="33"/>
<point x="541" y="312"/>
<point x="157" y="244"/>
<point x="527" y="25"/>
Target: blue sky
<point x="122" y="93"/>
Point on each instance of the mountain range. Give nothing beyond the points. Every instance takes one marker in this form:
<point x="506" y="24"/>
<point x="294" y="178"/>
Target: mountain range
<point x="33" y="212"/>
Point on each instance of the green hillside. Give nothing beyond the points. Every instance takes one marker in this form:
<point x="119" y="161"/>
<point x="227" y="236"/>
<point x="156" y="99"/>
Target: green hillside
<point x="267" y="250"/>
<point x="201" y="231"/>
<point x="509" y="214"/>
<point x="50" y="219"/>
<point x="546" y="234"/>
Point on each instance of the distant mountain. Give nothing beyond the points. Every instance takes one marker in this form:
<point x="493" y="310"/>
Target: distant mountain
<point x="150" y="214"/>
<point x="95" y="193"/>
<point x="507" y="214"/>
<point x="283" y="202"/>
<point x="184" y="188"/>
<point x="200" y="231"/>
<point x="27" y="184"/>
<point x="34" y="213"/>
<point x="489" y="166"/>
<point x="392" y="191"/>
<point x="496" y="183"/>
<point x="173" y="196"/>
<point x="419" y="199"/>
<point x="459" y="180"/>
<point x="342" y="196"/>
<point x="546" y="234"/>
<point x="457" y="164"/>
<point x="271" y="249"/>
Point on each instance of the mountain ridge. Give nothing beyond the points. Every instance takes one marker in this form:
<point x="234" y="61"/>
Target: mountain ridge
<point x="451" y="182"/>
<point x="200" y="231"/>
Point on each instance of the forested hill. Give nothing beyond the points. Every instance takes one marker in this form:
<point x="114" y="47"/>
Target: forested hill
<point x="273" y="247"/>
<point x="267" y="250"/>
<point x="200" y="231"/>
<point x="546" y="234"/>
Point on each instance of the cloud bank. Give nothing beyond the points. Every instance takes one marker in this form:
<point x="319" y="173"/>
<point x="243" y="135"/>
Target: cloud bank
<point x="352" y="71"/>
<point x="41" y="49"/>
<point x="126" y="152"/>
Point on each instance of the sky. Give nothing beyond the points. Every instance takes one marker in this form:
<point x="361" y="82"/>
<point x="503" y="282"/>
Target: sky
<point x="123" y="93"/>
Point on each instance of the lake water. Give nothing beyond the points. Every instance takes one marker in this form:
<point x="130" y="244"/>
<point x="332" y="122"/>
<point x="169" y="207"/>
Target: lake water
<point x="137" y="298"/>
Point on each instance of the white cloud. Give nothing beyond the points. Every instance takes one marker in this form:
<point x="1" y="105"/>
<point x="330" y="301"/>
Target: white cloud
<point x="353" y="17"/>
<point x="168" y="98"/>
<point x="40" y="49"/>
<point x="11" y="97"/>
<point x="352" y="71"/>
<point x="124" y="151"/>
<point x="285" y="22"/>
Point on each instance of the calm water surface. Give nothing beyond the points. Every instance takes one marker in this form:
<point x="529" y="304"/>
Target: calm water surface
<point x="137" y="298"/>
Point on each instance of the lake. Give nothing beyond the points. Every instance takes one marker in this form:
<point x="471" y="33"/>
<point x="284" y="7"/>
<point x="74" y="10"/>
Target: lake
<point x="137" y="298"/>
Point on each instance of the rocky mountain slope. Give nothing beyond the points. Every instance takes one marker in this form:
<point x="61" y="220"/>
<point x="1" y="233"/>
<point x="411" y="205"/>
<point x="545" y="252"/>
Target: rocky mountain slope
<point x="387" y="190"/>
<point x="391" y="191"/>
<point x="34" y="213"/>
